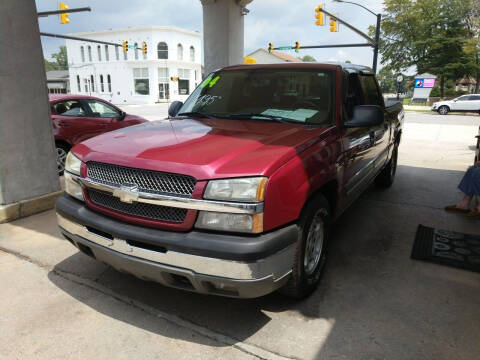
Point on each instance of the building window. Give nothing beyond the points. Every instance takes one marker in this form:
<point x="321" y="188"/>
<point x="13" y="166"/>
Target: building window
<point x="109" y="81"/>
<point x="136" y="51"/>
<point x="179" y="52"/>
<point x="85" y="81"/>
<point x="140" y="81"/>
<point x="117" y="52"/>
<point x="99" y="52"/>
<point x="102" y="89"/>
<point x="184" y="81"/>
<point x="162" y="50"/>
<point x="107" y="57"/>
<point x="192" y="54"/>
<point x="78" y="84"/>
<point x="89" y="48"/>
<point x="82" y="53"/>
<point x="92" y="81"/>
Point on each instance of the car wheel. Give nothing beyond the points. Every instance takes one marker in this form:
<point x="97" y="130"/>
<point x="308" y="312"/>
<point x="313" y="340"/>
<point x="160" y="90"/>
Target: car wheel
<point x="310" y="254"/>
<point x="443" y="110"/>
<point x="62" y="151"/>
<point x="387" y="175"/>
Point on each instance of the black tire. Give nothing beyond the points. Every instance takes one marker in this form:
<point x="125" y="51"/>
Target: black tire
<point x="387" y="175"/>
<point x="304" y="279"/>
<point x="61" y="150"/>
<point x="443" y="110"/>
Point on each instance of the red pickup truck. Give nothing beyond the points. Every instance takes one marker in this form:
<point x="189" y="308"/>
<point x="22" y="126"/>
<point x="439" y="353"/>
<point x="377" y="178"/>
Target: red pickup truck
<point x="235" y="192"/>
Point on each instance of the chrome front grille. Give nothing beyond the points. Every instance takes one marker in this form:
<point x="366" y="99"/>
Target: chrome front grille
<point x="145" y="180"/>
<point x="149" y="211"/>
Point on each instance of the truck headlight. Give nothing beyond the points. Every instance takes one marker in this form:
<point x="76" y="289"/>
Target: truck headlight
<point x="230" y="222"/>
<point x="72" y="166"/>
<point x="240" y="189"/>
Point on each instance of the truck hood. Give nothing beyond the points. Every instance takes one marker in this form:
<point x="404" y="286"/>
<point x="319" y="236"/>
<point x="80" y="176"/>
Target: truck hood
<point x="203" y="148"/>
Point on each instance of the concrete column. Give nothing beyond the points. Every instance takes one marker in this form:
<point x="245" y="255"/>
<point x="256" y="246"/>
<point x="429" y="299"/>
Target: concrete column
<point x="28" y="172"/>
<point x="223" y="32"/>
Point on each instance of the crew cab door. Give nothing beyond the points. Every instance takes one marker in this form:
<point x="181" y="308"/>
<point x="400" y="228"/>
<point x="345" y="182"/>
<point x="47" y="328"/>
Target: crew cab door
<point x="365" y="148"/>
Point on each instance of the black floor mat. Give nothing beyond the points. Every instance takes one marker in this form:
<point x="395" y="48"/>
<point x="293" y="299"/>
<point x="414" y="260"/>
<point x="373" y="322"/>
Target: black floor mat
<point x="447" y="248"/>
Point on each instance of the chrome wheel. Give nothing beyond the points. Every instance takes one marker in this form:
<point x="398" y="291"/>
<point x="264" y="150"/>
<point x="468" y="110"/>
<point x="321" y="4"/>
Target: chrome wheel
<point x="443" y="110"/>
<point x="61" y="156"/>
<point x="314" y="244"/>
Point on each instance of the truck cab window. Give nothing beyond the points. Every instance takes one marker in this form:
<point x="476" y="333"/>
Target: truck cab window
<point x="370" y="89"/>
<point x="354" y="94"/>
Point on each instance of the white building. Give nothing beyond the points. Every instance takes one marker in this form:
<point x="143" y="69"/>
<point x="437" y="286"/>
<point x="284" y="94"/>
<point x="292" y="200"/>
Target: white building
<point x="107" y="72"/>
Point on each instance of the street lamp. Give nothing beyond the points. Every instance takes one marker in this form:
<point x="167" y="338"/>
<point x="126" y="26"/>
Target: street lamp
<point x="377" y="31"/>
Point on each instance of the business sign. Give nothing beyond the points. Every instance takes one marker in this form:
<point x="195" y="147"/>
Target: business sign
<point x="424" y="83"/>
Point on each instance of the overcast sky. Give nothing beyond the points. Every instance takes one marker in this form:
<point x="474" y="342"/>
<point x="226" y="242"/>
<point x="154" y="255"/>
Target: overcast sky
<point x="281" y="22"/>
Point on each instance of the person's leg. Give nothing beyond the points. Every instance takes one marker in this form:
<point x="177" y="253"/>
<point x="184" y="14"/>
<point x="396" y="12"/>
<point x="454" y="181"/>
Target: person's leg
<point x="466" y="186"/>
<point x="476" y="184"/>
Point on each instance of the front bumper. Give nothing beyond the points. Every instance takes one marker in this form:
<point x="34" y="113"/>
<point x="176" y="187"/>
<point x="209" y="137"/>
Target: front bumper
<point x="209" y="263"/>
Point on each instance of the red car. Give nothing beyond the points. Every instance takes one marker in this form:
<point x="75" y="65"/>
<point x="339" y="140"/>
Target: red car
<point x="79" y="117"/>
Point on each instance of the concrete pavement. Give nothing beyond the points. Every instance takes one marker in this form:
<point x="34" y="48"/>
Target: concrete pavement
<point x="374" y="302"/>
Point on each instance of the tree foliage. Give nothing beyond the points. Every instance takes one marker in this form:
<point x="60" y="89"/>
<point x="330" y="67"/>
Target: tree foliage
<point x="308" y="58"/>
<point x="61" y="60"/>
<point x="430" y="35"/>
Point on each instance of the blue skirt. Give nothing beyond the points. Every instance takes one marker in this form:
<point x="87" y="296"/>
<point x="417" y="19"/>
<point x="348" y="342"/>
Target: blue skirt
<point x="470" y="184"/>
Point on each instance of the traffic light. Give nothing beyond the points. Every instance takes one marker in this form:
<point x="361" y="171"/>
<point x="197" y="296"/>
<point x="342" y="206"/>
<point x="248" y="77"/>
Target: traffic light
<point x="319" y="15"/>
<point x="270" y="47"/>
<point x="297" y="46"/>
<point x="333" y="24"/>
<point x="144" y="48"/>
<point x="64" y="17"/>
<point x="125" y="45"/>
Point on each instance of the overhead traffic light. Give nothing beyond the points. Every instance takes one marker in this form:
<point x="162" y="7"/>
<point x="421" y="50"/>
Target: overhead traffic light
<point x="125" y="45"/>
<point x="64" y="17"/>
<point x="319" y="15"/>
<point x="333" y="24"/>
<point x="144" y="48"/>
<point x="270" y="47"/>
<point x="297" y="46"/>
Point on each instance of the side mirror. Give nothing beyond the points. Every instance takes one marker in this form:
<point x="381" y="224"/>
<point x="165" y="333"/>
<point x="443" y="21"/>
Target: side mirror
<point x="174" y="108"/>
<point x="122" y="115"/>
<point x="365" y="116"/>
<point x="455" y="100"/>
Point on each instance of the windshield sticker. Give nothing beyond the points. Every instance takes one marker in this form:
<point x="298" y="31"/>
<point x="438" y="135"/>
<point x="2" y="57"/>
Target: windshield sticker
<point x="207" y="100"/>
<point x="214" y="81"/>
<point x="299" y="114"/>
<point x="206" y="81"/>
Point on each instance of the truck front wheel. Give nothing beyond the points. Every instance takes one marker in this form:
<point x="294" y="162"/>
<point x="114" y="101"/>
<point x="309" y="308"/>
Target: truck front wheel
<point x="310" y="254"/>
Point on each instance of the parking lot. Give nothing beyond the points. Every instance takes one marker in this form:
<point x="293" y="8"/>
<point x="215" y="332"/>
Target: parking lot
<point x="374" y="302"/>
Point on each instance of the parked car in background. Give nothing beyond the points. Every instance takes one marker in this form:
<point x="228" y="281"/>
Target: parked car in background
<point x="464" y="103"/>
<point x="79" y="117"/>
<point x="235" y="193"/>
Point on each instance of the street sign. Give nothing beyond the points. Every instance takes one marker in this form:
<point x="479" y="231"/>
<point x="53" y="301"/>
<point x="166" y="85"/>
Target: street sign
<point x="132" y="47"/>
<point x="285" y="48"/>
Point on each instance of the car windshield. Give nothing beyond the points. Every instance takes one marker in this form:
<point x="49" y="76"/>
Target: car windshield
<point x="302" y="96"/>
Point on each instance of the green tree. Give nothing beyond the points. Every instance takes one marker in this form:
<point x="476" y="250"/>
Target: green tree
<point x="61" y="60"/>
<point x="472" y="45"/>
<point x="387" y="80"/>
<point x="308" y="58"/>
<point x="427" y="34"/>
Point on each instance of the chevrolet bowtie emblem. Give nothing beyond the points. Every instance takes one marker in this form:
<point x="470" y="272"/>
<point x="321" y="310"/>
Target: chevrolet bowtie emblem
<point x="127" y="194"/>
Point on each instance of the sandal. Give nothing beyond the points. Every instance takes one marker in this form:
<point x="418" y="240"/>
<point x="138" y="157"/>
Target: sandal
<point x="456" y="208"/>
<point x="474" y="214"/>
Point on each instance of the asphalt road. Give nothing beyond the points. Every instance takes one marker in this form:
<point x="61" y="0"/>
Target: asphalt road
<point x="374" y="302"/>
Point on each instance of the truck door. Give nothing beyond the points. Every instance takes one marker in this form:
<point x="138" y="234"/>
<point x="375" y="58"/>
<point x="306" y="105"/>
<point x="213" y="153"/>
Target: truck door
<point x="359" y="152"/>
<point x="380" y="134"/>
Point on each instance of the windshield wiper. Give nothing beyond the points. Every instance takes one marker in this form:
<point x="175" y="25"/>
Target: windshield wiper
<point x="196" y="114"/>
<point x="279" y="119"/>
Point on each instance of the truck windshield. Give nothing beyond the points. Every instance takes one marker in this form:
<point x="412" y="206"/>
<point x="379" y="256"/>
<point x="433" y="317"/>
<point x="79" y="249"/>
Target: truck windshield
<point x="304" y="96"/>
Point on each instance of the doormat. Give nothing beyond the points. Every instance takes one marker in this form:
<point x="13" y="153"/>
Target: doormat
<point x="447" y="248"/>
